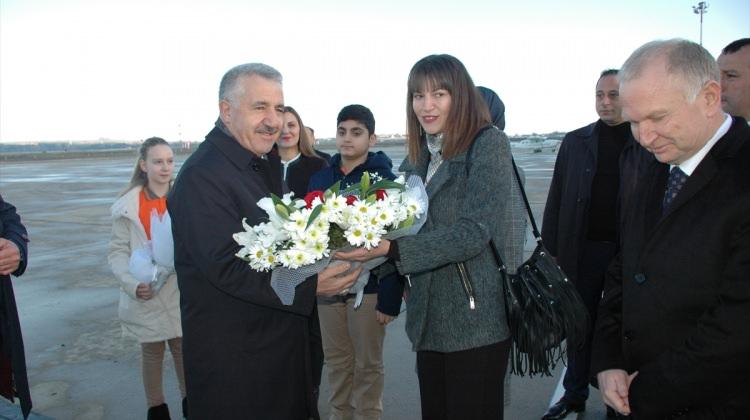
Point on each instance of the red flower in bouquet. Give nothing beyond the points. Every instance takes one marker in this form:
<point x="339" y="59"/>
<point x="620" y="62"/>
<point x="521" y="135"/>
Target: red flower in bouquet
<point x="311" y="196"/>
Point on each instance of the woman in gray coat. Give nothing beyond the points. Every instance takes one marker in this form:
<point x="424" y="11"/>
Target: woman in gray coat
<point x="455" y="310"/>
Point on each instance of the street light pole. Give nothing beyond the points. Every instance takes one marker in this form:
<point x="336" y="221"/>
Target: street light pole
<point x="701" y="9"/>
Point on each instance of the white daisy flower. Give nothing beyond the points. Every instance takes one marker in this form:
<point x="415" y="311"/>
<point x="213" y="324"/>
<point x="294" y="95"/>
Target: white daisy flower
<point x="384" y="216"/>
<point x="372" y="237"/>
<point x="320" y="249"/>
<point x="355" y="235"/>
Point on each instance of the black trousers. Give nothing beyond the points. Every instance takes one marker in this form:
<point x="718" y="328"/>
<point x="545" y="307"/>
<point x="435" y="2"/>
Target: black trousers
<point x="463" y="385"/>
<point x="316" y="353"/>
<point x="595" y="258"/>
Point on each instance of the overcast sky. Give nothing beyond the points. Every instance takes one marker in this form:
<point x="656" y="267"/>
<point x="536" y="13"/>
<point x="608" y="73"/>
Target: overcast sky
<point x="128" y="70"/>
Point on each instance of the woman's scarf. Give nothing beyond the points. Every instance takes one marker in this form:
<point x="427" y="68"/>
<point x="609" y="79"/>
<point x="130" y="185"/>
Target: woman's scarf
<point x="435" y="146"/>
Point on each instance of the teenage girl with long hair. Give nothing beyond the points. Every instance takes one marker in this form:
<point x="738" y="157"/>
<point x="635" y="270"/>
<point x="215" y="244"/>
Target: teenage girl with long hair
<point x="149" y="313"/>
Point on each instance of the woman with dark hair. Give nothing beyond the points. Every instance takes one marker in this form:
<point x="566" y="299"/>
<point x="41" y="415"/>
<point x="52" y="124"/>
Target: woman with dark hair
<point x="297" y="155"/>
<point x="456" y="313"/>
<point x="149" y="310"/>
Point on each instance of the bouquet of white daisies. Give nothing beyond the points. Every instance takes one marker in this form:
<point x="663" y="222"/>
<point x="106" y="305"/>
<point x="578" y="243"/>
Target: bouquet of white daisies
<point x="300" y="236"/>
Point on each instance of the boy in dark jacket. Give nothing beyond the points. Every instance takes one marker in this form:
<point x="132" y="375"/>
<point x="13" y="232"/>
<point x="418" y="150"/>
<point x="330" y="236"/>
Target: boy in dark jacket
<point x="353" y="338"/>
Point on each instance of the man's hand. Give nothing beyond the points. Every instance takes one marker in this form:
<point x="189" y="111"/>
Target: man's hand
<point x="10" y="257"/>
<point x="614" y="385"/>
<point x="382" y="318"/>
<point x="334" y="280"/>
<point x="143" y="291"/>
<point x="363" y="254"/>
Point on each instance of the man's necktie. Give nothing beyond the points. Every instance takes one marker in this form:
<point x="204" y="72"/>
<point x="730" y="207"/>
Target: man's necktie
<point x="675" y="182"/>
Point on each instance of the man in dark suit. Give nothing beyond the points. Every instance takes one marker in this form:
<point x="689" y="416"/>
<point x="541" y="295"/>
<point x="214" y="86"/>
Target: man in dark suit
<point x="595" y="167"/>
<point x="673" y="335"/>
<point x="246" y="354"/>
<point x="13" y="257"/>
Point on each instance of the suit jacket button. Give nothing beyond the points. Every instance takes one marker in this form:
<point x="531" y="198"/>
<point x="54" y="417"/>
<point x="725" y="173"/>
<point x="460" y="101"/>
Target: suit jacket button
<point x="255" y="167"/>
<point x="628" y="335"/>
<point x="640" y="278"/>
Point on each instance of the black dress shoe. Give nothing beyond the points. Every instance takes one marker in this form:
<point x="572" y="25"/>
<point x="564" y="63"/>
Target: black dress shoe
<point x="562" y="408"/>
<point x="159" y="412"/>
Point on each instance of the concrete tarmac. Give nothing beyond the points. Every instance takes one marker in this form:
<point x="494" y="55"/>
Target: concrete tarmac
<point x="80" y="367"/>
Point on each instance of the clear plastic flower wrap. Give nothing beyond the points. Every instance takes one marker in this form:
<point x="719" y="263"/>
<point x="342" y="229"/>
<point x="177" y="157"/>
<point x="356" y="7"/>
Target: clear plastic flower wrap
<point x="153" y="263"/>
<point x="300" y="236"/>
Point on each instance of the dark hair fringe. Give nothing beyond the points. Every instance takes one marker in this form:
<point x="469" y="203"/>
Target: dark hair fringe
<point x="359" y="113"/>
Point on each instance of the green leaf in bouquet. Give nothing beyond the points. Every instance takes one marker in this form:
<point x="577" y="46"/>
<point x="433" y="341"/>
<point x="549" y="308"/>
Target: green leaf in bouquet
<point x="277" y="201"/>
<point x="406" y="222"/>
<point x="282" y="211"/>
<point x="372" y="198"/>
<point x="385" y="184"/>
<point x="334" y="189"/>
<point x="364" y="183"/>
<point x="314" y="215"/>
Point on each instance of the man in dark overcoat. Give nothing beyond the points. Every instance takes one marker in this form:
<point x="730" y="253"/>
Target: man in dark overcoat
<point x="246" y="354"/>
<point x="673" y="334"/>
<point x="595" y="173"/>
<point x="13" y="258"/>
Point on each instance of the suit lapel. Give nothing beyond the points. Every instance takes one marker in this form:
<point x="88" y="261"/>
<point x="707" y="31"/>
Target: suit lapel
<point x="419" y="167"/>
<point x="727" y="146"/>
<point x="444" y="173"/>
<point x="592" y="143"/>
<point x="695" y="182"/>
<point x="658" y="173"/>
<point x="438" y="179"/>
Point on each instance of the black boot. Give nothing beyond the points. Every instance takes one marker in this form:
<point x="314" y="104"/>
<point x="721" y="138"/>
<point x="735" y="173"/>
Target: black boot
<point x="184" y="408"/>
<point x="159" y="412"/>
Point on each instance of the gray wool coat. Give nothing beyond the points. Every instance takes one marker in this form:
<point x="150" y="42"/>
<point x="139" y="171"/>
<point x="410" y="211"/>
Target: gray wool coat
<point x="469" y="203"/>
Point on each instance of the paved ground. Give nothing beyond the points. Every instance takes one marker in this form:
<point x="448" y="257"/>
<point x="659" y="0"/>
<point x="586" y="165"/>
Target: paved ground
<point x="81" y="368"/>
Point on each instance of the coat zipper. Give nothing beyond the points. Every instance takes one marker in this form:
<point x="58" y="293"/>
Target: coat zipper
<point x="466" y="282"/>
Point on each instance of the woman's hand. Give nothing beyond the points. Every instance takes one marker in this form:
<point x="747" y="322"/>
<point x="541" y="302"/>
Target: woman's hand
<point x="143" y="291"/>
<point x="362" y="254"/>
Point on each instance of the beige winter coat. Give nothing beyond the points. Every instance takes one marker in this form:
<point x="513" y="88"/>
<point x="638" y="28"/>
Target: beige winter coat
<point x="158" y="318"/>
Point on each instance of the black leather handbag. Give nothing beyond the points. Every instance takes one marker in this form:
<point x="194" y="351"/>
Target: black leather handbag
<point x="543" y="307"/>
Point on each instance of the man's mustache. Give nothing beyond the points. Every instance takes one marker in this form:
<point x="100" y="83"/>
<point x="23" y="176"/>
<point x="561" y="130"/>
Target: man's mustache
<point x="265" y="129"/>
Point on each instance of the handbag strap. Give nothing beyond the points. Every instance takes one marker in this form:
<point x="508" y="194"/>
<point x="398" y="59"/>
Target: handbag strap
<point x="498" y="258"/>
<point x="534" y="229"/>
<point x="517" y="176"/>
